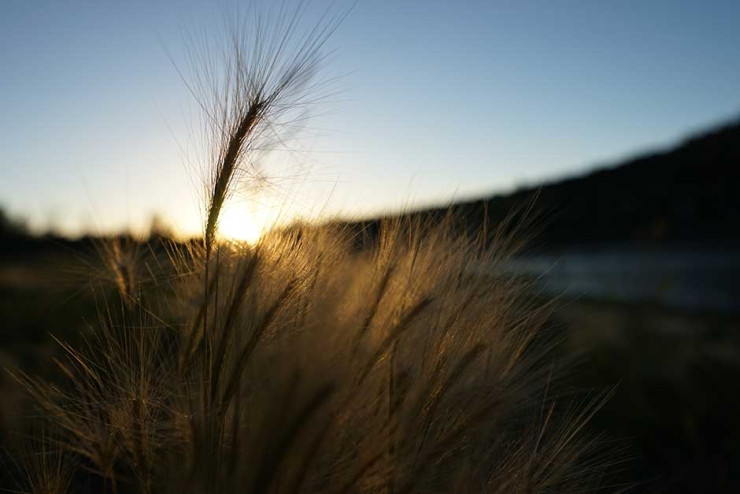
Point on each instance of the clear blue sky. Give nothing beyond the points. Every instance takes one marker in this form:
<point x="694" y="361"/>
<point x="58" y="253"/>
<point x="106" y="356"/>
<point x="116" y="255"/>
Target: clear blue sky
<point x="439" y="99"/>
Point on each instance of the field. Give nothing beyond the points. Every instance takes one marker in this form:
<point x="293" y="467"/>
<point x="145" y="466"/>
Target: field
<point x="320" y="366"/>
<point x="669" y="426"/>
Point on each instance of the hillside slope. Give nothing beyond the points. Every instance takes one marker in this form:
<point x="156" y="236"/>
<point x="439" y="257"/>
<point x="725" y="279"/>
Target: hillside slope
<point x="688" y="194"/>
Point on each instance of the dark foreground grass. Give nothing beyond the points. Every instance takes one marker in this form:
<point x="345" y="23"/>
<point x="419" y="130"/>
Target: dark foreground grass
<point x="320" y="368"/>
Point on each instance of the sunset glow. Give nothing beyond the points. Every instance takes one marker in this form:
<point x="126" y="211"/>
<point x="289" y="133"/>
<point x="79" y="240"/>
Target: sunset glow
<point x="239" y="224"/>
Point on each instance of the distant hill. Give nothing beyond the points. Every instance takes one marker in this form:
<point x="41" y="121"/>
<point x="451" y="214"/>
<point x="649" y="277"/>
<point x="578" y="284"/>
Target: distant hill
<point x="687" y="194"/>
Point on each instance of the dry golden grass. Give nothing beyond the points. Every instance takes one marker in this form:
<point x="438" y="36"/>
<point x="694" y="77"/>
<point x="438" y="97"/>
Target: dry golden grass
<point x="323" y="368"/>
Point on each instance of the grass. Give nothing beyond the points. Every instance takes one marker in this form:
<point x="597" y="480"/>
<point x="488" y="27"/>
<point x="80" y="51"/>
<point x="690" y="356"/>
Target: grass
<point x="314" y="361"/>
<point x="390" y="368"/>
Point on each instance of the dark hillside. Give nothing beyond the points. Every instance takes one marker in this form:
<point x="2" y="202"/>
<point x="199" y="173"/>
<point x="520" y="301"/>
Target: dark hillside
<point x="688" y="194"/>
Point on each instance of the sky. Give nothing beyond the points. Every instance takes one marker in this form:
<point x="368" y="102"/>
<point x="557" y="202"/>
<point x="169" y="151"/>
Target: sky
<point x="435" y="101"/>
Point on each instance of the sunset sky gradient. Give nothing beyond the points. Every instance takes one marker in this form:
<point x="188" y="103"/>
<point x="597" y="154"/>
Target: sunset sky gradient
<point x="435" y="101"/>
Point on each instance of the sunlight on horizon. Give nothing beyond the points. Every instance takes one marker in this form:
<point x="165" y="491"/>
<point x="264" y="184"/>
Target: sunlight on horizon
<point x="238" y="223"/>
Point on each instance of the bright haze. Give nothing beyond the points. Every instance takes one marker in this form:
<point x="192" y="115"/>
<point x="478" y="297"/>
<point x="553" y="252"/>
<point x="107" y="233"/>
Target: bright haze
<point x="433" y="101"/>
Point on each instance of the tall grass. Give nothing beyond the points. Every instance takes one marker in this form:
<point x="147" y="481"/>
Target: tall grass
<point x="316" y="360"/>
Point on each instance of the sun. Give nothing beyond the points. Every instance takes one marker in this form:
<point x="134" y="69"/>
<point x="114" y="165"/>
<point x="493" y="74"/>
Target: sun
<point x="238" y="223"/>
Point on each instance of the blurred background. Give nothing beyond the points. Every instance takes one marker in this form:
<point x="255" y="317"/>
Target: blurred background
<point x="617" y="125"/>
